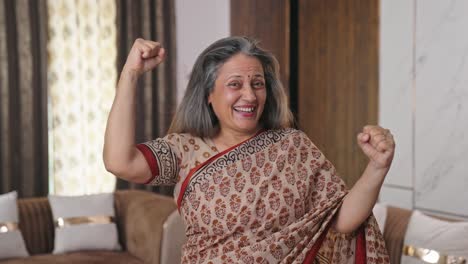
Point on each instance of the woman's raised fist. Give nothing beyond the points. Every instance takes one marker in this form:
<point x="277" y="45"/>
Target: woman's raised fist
<point x="144" y="56"/>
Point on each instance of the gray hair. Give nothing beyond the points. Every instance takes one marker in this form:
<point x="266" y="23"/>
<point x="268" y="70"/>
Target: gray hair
<point x="195" y="115"/>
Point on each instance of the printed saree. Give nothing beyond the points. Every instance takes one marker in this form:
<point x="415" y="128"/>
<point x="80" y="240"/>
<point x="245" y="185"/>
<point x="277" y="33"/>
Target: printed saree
<point x="270" y="199"/>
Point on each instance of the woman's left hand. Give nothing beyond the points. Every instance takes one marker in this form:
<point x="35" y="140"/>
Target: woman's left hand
<point x="378" y="145"/>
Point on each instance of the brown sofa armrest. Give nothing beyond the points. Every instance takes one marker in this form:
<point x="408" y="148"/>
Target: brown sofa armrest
<point x="140" y="218"/>
<point x="395" y="231"/>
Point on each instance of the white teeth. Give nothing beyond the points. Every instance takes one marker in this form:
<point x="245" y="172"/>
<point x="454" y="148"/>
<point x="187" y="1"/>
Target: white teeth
<point x="244" y="109"/>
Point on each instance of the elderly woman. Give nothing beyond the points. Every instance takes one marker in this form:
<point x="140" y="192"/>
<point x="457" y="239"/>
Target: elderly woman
<point x="250" y="188"/>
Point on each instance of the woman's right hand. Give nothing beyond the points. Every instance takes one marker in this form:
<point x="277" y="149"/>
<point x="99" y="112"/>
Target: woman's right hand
<point x="121" y="157"/>
<point x="144" y="56"/>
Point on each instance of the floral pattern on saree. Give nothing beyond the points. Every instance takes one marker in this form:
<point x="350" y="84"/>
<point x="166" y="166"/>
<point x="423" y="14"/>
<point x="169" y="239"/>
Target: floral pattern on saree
<point x="271" y="199"/>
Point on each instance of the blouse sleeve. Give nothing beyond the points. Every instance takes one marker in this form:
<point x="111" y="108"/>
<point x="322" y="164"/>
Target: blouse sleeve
<point x="163" y="157"/>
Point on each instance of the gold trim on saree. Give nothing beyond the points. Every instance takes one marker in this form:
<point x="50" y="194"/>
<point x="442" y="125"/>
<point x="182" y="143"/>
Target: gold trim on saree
<point x="431" y="256"/>
<point x="6" y="227"/>
<point x="83" y="220"/>
<point x="321" y="259"/>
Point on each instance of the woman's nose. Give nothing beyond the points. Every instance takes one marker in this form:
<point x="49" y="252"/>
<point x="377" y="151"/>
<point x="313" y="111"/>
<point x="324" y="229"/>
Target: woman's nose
<point x="248" y="93"/>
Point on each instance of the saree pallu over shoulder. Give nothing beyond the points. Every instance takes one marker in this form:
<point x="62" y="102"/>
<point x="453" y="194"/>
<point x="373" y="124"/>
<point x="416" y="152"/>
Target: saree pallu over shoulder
<point x="225" y="158"/>
<point x="271" y="199"/>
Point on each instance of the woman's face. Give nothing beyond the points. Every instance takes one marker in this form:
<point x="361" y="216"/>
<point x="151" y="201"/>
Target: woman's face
<point x="239" y="95"/>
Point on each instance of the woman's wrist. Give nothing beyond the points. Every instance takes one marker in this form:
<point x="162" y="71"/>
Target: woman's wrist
<point x="377" y="168"/>
<point x="374" y="175"/>
<point x="129" y="73"/>
<point x="128" y="79"/>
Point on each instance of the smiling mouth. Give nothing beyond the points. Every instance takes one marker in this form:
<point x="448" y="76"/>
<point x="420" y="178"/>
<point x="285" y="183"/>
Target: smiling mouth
<point x="244" y="109"/>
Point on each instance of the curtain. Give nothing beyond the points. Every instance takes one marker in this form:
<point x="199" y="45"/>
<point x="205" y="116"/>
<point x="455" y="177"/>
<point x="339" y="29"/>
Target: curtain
<point x="156" y="99"/>
<point x="82" y="55"/>
<point x="23" y="97"/>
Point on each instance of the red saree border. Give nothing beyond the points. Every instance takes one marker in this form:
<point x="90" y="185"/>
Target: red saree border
<point x="152" y="162"/>
<point x="208" y="161"/>
<point x="359" y="258"/>
<point x="310" y="257"/>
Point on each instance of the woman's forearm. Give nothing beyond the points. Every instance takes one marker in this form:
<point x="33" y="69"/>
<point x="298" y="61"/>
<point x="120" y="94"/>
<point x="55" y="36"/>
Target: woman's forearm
<point x="120" y="154"/>
<point x="358" y="203"/>
<point x="119" y="141"/>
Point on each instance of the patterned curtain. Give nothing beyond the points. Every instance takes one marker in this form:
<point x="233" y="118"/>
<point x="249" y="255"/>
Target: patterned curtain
<point x="82" y="78"/>
<point x="156" y="100"/>
<point x="23" y="97"/>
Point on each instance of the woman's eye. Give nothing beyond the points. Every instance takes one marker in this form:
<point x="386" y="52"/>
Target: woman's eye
<point x="258" y="84"/>
<point x="234" y="85"/>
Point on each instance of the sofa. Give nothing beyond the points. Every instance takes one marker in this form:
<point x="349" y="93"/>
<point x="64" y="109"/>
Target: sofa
<point x="149" y="230"/>
<point x="412" y="236"/>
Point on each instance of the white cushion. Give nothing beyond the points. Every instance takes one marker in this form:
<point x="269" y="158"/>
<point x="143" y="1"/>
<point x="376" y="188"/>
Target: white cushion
<point x="380" y="214"/>
<point x="173" y="238"/>
<point x="11" y="242"/>
<point x="448" y="238"/>
<point x="89" y="236"/>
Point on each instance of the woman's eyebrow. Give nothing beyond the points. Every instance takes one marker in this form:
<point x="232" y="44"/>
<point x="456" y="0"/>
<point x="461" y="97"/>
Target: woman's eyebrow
<point x="235" y="75"/>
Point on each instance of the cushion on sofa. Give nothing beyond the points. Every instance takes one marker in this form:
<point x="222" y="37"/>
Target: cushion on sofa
<point x="173" y="238"/>
<point x="380" y="214"/>
<point x="84" y="223"/>
<point x="444" y="237"/>
<point x="11" y="240"/>
<point x="36" y="224"/>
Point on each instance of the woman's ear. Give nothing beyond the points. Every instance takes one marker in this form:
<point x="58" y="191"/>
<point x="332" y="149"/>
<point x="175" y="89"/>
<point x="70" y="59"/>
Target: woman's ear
<point x="209" y="99"/>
